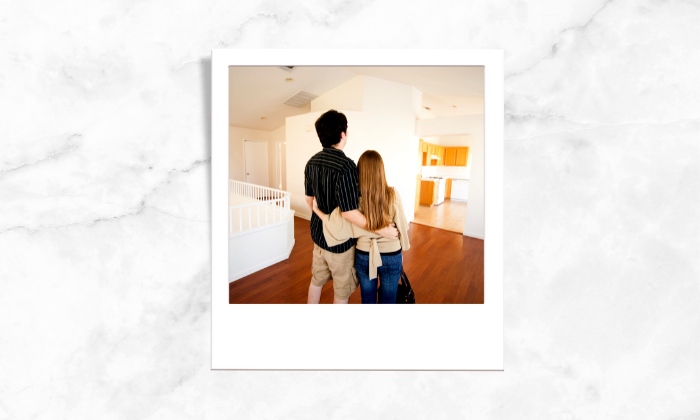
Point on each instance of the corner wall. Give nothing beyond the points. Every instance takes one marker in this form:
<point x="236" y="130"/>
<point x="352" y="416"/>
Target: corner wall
<point x="385" y="124"/>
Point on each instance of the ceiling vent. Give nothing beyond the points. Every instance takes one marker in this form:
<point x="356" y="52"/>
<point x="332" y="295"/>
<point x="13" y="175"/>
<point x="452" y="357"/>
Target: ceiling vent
<point x="300" y="99"/>
<point x="287" y="68"/>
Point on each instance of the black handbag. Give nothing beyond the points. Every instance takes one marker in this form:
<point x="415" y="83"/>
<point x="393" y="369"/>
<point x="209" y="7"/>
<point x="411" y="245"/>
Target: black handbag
<point x="404" y="293"/>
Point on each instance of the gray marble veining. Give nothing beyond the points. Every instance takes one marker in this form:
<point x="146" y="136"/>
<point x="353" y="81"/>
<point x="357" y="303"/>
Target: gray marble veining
<point x="104" y="210"/>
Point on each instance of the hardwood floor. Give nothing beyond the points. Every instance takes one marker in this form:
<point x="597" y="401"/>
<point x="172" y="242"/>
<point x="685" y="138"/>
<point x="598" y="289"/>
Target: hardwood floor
<point x="442" y="266"/>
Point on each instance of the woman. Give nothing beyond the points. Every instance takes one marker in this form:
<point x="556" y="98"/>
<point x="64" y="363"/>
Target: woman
<point x="377" y="259"/>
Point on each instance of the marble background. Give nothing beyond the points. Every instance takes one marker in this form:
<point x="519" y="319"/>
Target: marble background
<point x="104" y="209"/>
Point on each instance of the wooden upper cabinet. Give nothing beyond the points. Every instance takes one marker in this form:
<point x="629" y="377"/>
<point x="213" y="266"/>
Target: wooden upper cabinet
<point x="462" y="154"/>
<point x="450" y="154"/>
<point x="441" y="154"/>
<point x="425" y="147"/>
<point x="432" y="149"/>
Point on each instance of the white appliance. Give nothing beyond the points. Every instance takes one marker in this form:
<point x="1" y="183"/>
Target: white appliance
<point x="442" y="184"/>
<point x="460" y="190"/>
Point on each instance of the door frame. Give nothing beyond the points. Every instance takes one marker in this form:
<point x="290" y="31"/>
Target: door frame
<point x="267" y="154"/>
<point x="278" y="164"/>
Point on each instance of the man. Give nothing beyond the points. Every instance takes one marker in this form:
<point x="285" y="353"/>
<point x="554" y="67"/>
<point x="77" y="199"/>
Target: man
<point x="331" y="178"/>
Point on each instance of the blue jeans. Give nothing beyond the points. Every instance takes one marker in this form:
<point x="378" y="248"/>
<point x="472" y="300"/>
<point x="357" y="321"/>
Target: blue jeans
<point x="389" y="274"/>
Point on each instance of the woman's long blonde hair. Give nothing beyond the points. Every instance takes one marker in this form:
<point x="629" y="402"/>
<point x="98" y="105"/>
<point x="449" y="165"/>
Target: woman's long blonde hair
<point x="377" y="196"/>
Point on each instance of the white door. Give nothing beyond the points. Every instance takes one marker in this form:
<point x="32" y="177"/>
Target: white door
<point x="256" y="162"/>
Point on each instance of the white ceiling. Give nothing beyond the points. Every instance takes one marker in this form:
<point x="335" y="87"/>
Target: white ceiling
<point x="256" y="92"/>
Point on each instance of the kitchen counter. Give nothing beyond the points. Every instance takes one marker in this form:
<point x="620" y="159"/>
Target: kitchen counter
<point x="432" y="191"/>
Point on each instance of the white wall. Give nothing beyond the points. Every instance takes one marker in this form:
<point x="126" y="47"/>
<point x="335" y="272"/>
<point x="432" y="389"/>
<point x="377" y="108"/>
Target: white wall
<point x="348" y="96"/>
<point x="236" y="135"/>
<point x="447" y="126"/>
<point x="390" y="109"/>
<point x="457" y="126"/>
<point x="386" y="124"/>
<point x="474" y="225"/>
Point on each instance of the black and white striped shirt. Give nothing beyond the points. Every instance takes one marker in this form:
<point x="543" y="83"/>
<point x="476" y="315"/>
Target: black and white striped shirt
<point x="332" y="178"/>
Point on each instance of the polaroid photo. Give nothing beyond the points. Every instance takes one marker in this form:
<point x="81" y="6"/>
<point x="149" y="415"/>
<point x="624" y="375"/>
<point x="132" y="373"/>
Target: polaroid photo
<point x="362" y="225"/>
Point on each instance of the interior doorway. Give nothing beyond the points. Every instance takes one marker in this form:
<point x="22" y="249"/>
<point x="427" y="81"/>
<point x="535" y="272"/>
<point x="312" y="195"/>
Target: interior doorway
<point x="255" y="167"/>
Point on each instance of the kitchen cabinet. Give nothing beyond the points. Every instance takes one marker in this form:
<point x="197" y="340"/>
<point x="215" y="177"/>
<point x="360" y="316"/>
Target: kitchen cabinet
<point x="456" y="156"/>
<point x="432" y="192"/>
<point x="444" y="156"/>
<point x="448" y="188"/>
<point x="450" y="154"/>
<point x="462" y="154"/>
<point x="428" y="193"/>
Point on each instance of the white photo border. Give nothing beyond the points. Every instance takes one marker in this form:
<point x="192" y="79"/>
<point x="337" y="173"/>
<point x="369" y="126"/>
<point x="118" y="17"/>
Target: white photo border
<point x="351" y="337"/>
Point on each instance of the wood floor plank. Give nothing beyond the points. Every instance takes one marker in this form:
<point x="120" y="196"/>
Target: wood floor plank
<point x="442" y="266"/>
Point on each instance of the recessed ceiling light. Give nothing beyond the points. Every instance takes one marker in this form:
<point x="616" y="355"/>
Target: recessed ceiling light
<point x="289" y="79"/>
<point x="263" y="118"/>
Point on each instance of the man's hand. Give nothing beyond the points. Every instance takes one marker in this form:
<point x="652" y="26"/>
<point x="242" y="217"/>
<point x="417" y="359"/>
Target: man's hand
<point x="315" y="207"/>
<point x="389" y="232"/>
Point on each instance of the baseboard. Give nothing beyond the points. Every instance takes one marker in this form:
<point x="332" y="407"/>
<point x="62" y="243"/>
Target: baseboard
<point x="473" y="235"/>
<point x="289" y="251"/>
<point x="258" y="267"/>
<point x="303" y="216"/>
<point x="264" y="264"/>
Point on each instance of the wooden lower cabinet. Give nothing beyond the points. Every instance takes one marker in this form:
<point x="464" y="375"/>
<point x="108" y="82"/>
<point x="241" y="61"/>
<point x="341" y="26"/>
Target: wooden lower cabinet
<point x="428" y="193"/>
<point x="448" y="188"/>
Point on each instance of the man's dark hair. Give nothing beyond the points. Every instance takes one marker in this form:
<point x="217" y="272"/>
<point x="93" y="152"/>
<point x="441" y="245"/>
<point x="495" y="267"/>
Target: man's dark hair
<point x="329" y="126"/>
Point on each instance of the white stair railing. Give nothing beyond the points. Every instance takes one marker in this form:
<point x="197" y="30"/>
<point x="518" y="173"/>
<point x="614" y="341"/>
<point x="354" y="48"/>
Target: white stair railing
<point x="273" y="203"/>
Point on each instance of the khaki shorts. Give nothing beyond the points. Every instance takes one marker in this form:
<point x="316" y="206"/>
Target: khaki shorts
<point x="340" y="268"/>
